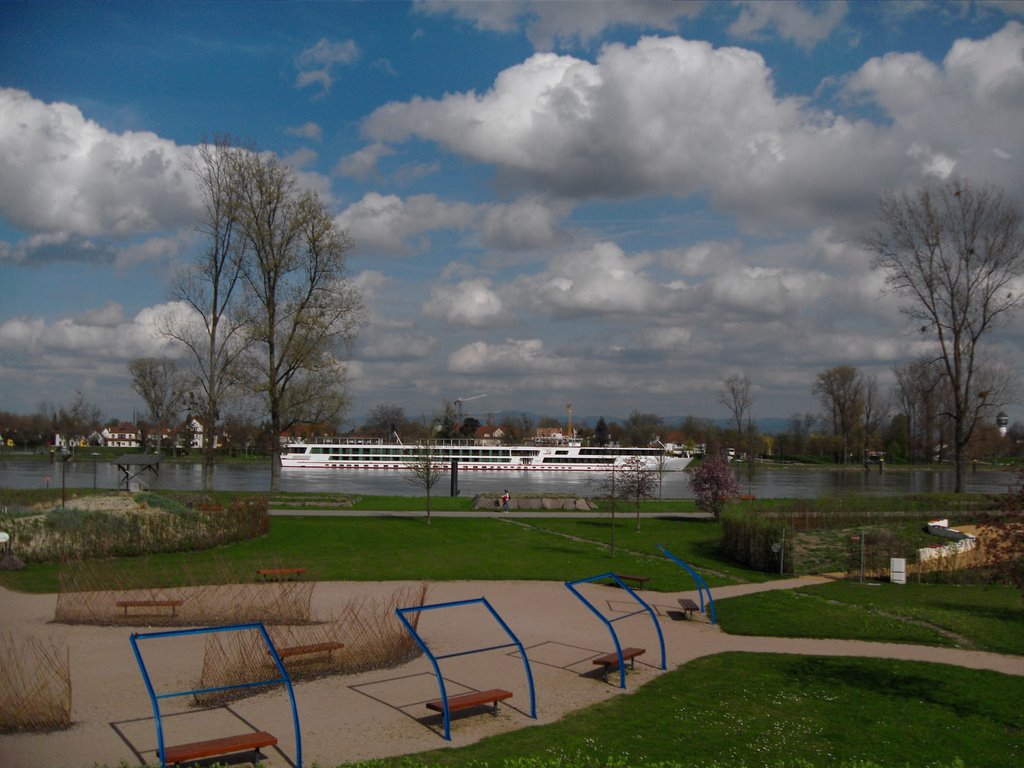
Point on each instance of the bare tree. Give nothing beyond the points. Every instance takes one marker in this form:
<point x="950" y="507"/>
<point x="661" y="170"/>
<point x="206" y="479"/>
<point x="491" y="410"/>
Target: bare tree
<point x="841" y="392"/>
<point x="159" y="381"/>
<point x="956" y="253"/>
<point x="631" y="480"/>
<point x="385" y="420"/>
<point x="299" y="312"/>
<point x="425" y="469"/>
<point x="642" y="428"/>
<point x="210" y="333"/>
<point x="919" y="387"/>
<point x="873" y="413"/>
<point x="737" y="397"/>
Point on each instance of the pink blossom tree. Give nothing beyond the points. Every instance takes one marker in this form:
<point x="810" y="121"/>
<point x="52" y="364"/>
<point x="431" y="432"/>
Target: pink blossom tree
<point x="713" y="483"/>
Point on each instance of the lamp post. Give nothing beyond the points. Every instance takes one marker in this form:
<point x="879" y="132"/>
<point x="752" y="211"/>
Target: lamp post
<point x="94" y="457"/>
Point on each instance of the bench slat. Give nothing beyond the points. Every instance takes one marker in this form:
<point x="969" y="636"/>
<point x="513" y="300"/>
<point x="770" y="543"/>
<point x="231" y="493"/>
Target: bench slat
<point x="469" y="700"/>
<point x="224" y="746"/>
<point x="172" y="604"/>
<point x="688" y="606"/>
<point x="611" y="660"/>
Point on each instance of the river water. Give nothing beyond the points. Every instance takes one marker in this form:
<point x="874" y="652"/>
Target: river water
<point x="774" y="482"/>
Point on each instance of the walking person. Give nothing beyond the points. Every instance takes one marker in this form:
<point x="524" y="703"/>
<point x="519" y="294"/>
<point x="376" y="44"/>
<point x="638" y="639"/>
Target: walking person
<point x="504" y="501"/>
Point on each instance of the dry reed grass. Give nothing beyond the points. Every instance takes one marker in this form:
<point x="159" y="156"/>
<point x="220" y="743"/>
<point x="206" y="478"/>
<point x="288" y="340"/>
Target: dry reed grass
<point x="90" y="591"/>
<point x="35" y="686"/>
<point x="372" y="637"/>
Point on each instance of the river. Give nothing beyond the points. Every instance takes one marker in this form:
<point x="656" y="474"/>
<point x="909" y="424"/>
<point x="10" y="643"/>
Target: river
<point x="772" y="482"/>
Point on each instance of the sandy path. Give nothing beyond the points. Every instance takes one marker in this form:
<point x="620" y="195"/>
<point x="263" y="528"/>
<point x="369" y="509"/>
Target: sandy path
<point x="382" y="713"/>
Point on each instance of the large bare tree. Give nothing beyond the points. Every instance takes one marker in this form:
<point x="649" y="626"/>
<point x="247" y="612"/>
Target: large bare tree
<point x="955" y="252"/>
<point x="299" y="312"/>
<point x="210" y="333"/>
<point x="737" y="397"/>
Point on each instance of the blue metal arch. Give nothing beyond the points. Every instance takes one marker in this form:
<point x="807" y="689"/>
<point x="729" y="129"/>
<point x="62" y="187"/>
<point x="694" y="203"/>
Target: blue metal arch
<point x="702" y="585"/>
<point x="571" y="585"/>
<point x="155" y="697"/>
<point x="434" y="659"/>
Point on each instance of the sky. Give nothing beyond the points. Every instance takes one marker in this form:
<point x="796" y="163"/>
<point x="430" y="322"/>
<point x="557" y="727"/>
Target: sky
<point x="616" y="205"/>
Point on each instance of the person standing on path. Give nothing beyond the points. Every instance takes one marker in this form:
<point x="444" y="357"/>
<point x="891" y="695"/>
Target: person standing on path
<point x="504" y="501"/>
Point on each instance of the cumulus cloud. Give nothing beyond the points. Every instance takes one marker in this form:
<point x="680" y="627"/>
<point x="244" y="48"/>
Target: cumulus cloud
<point x="388" y="224"/>
<point x="962" y="115"/>
<point x="159" y="251"/>
<point x="519" y="356"/>
<point x="523" y="225"/>
<point x="61" y="173"/>
<point x="104" y="332"/>
<point x="679" y="117"/>
<point x="363" y="163"/>
<point x="470" y="303"/>
<point x="598" y="280"/>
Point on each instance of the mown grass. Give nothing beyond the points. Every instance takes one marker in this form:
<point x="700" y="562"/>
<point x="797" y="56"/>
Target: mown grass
<point x="741" y="710"/>
<point x="694" y="541"/>
<point x="989" y="618"/>
<point x="386" y="548"/>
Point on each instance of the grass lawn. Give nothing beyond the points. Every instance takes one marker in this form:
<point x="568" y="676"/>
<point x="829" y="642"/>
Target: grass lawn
<point x="693" y="541"/>
<point x="989" y="618"/>
<point x="747" y="710"/>
<point x="385" y="548"/>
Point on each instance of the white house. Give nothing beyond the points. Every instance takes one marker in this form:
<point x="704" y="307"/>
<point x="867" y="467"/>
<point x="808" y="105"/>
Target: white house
<point x="124" y="435"/>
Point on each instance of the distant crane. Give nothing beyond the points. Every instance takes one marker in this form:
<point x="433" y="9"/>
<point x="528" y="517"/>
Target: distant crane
<point x="459" y="401"/>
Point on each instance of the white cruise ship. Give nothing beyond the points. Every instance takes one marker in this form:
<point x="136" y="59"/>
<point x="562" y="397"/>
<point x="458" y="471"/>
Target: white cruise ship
<point x="568" y="456"/>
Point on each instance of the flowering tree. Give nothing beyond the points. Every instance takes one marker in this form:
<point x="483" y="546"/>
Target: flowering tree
<point x="713" y="483"/>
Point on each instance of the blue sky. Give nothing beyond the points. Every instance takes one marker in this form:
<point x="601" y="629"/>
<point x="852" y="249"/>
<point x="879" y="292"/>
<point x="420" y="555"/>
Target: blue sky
<point x="614" y="204"/>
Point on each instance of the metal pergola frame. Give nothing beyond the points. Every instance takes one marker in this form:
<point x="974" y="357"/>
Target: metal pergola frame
<point x="644" y="608"/>
<point x="435" y="659"/>
<point x="155" y="698"/>
<point x="702" y="585"/>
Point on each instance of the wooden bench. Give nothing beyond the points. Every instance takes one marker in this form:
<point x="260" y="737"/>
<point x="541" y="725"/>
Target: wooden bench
<point x="688" y="607"/>
<point x="172" y="604"/>
<point x="212" y="747"/>
<point x="641" y="581"/>
<point x="288" y="652"/>
<point x="470" y="700"/>
<point x="280" y="573"/>
<point x="610" y="661"/>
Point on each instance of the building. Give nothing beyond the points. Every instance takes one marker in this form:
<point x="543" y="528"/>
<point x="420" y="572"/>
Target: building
<point x="124" y="435"/>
